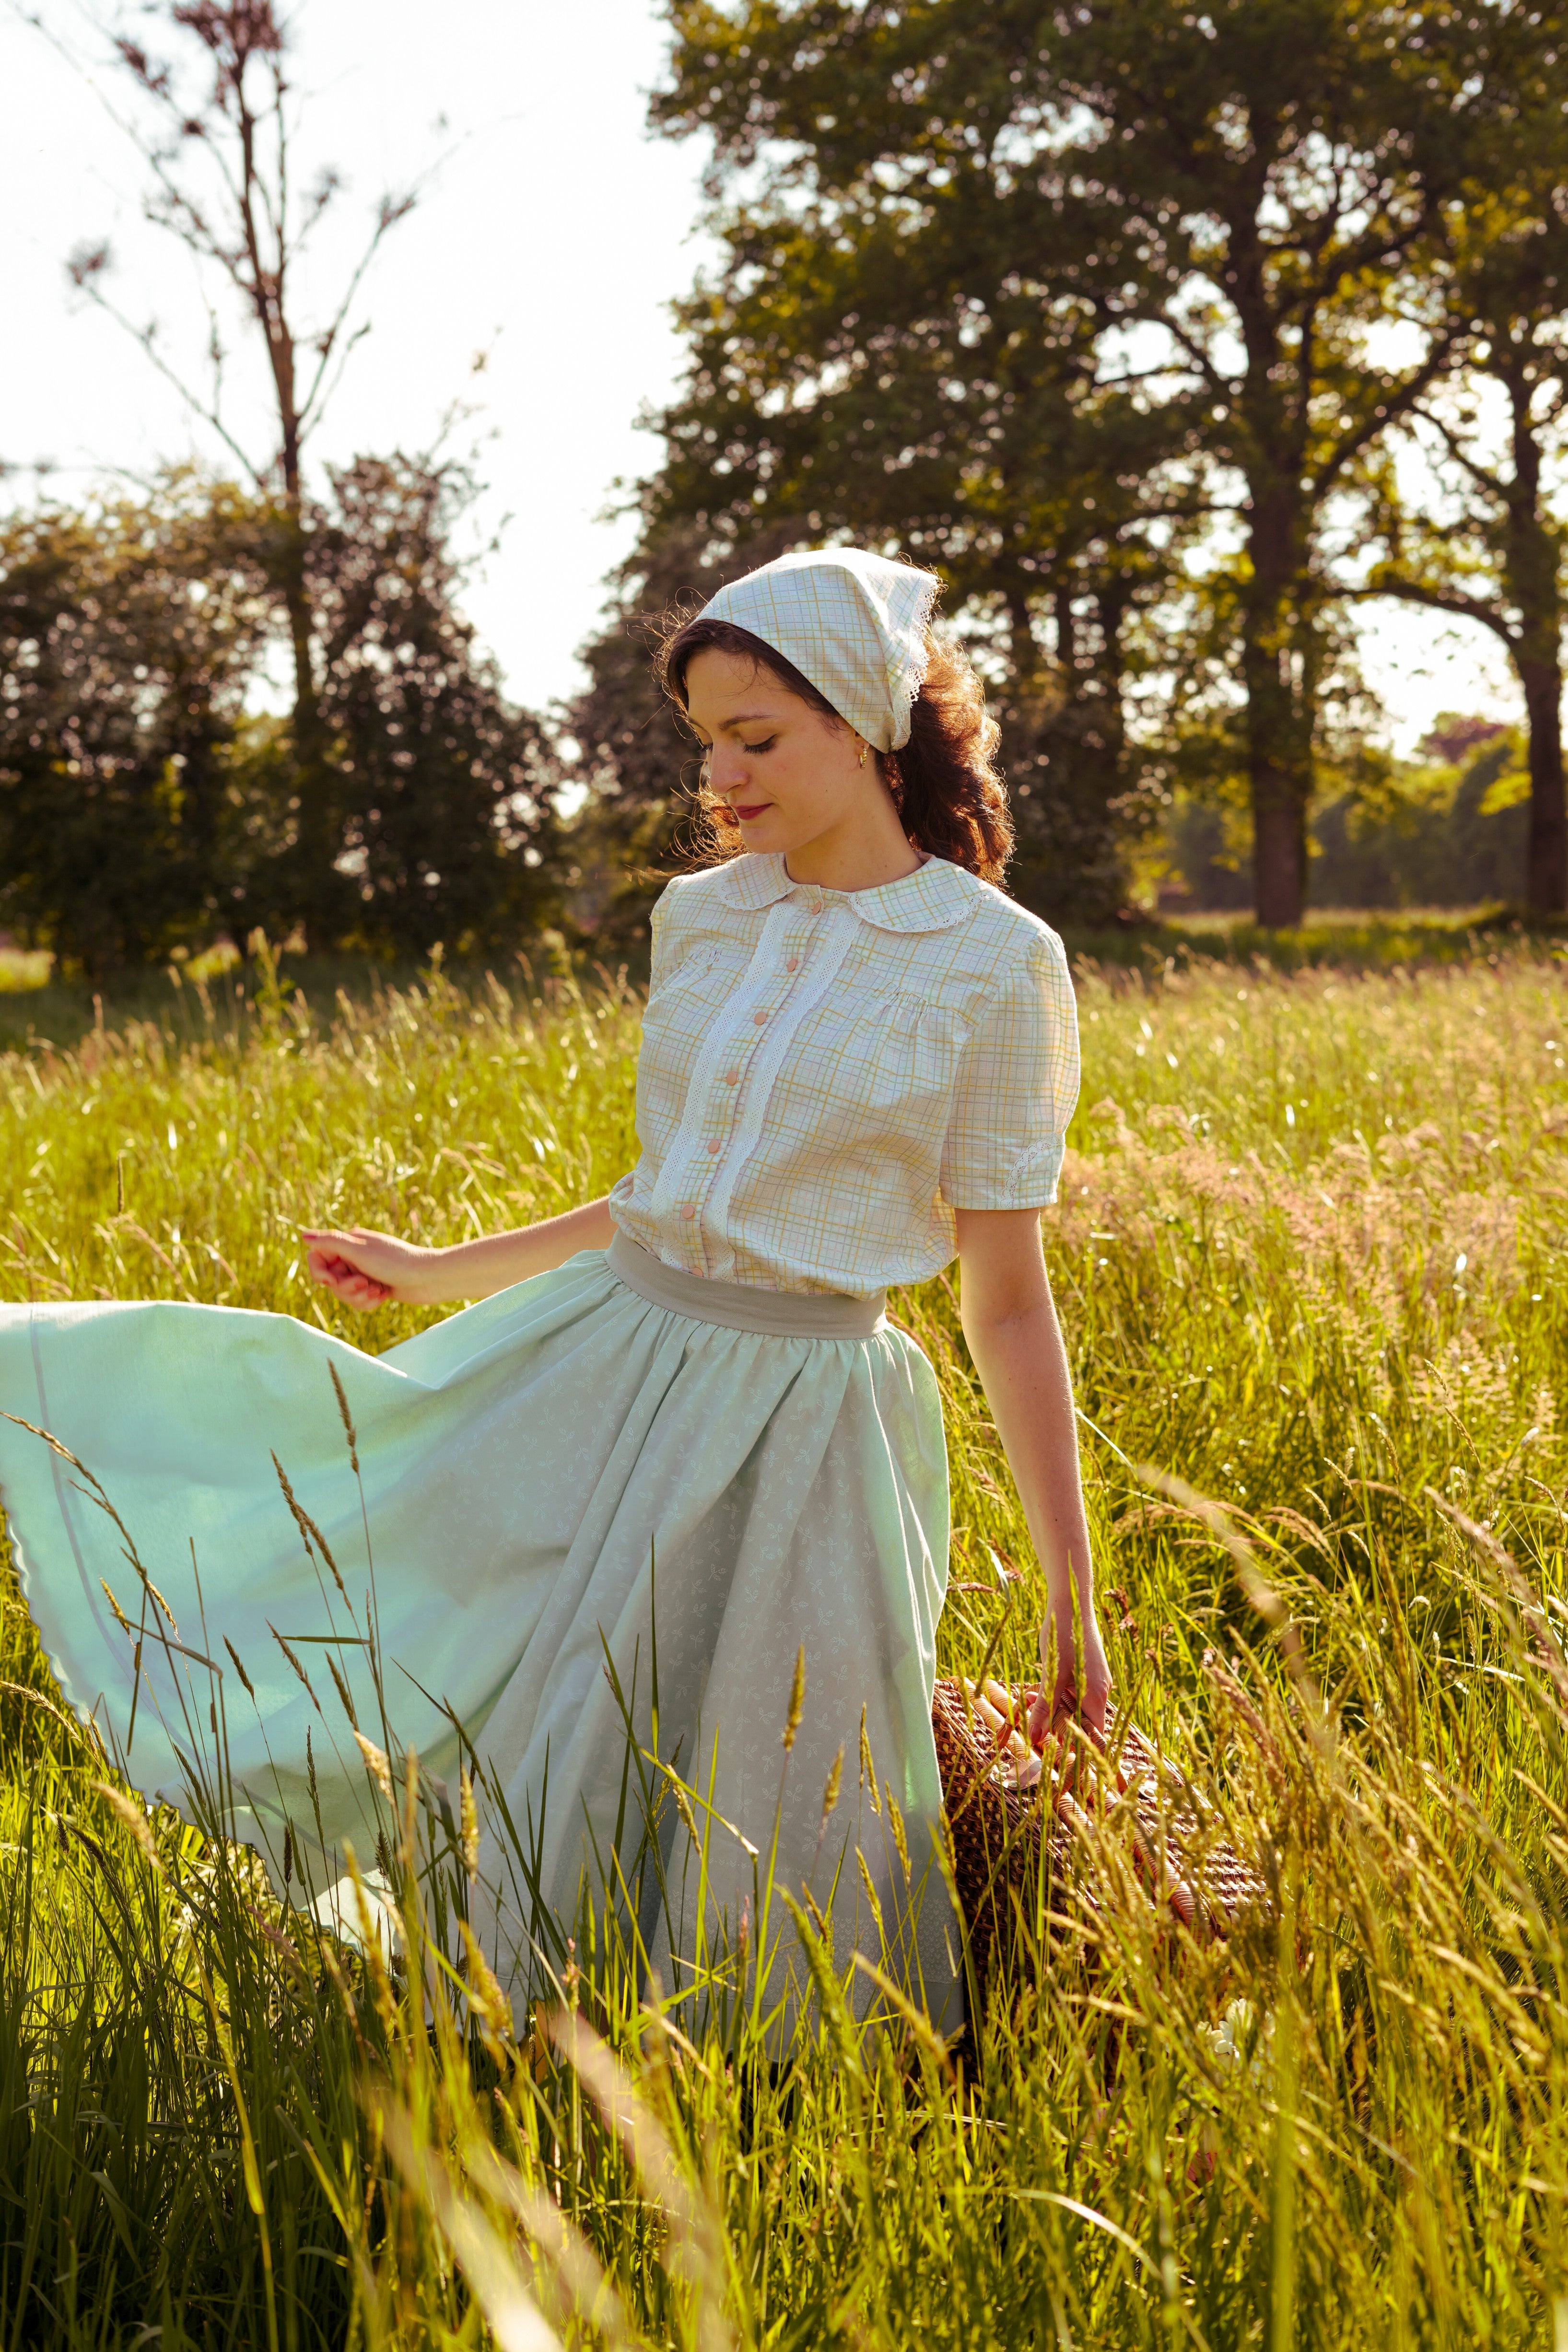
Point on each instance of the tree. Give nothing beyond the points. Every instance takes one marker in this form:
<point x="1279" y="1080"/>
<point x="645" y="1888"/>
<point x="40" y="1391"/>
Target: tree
<point x="1450" y="832"/>
<point x="127" y="638"/>
<point x="1445" y="829"/>
<point x="900" y="374"/>
<point x="634" y="762"/>
<point x="1494" y="551"/>
<point x="964" y="417"/>
<point x="222" y="182"/>
<point x="1229" y="195"/>
<point x="447" y="820"/>
<point x="140" y="808"/>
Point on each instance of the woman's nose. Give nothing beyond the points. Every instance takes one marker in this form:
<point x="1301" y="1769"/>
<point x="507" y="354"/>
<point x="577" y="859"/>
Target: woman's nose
<point x="726" y="768"/>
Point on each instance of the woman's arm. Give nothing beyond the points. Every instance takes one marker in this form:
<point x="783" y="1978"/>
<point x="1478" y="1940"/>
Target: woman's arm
<point x="367" y="1269"/>
<point x="1010" y="1323"/>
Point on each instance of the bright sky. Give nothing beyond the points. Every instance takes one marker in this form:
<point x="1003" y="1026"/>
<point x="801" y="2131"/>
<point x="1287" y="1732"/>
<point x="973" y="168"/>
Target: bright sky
<point x="1421" y="663"/>
<point x="554" y="237"/>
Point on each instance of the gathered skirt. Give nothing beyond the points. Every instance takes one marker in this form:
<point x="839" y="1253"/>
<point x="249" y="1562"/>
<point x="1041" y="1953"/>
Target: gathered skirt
<point x="592" y="1494"/>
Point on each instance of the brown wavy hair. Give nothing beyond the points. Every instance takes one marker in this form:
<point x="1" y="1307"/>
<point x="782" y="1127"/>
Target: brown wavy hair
<point x="949" y="795"/>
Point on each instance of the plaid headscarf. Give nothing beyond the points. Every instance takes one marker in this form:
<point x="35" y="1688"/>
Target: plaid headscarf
<point x="854" y="624"/>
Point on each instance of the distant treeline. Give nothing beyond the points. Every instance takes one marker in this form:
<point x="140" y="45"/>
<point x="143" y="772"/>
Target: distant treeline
<point x="150" y="801"/>
<point x="145" y="805"/>
<point x="1449" y="828"/>
<point x="1168" y="336"/>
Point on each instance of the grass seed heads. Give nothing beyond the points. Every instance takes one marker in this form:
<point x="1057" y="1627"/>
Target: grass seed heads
<point x="1307" y="1252"/>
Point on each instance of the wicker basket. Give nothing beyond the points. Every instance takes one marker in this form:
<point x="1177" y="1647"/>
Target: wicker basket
<point x="1006" y="1841"/>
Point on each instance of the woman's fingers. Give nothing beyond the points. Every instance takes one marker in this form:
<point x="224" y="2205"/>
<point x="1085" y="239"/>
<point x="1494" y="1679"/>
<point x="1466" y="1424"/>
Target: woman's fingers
<point x="367" y="1268"/>
<point x="1082" y="1684"/>
<point x="349" y="1245"/>
<point x="340" y="1256"/>
<point x="1052" y="1709"/>
<point x="1086" y="1708"/>
<point x="326" y="1265"/>
<point x="363" y="1296"/>
<point x="346" y="1280"/>
<point x="1091" y="1710"/>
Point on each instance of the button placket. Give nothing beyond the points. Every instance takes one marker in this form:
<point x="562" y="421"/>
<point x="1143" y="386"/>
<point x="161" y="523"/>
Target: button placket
<point x="796" y="948"/>
<point x="730" y="1108"/>
<point x="771" y="1045"/>
<point x="714" y="1097"/>
<point x="733" y="1092"/>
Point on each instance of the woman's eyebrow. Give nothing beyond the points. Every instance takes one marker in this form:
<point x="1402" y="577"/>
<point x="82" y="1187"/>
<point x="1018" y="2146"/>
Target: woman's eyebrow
<point x="738" y="719"/>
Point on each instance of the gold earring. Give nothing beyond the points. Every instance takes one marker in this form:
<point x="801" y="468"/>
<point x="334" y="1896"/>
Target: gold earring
<point x="864" y="749"/>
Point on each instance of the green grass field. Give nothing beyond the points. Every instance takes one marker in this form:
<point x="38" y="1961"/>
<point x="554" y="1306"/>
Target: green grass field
<point x="1309" y="1253"/>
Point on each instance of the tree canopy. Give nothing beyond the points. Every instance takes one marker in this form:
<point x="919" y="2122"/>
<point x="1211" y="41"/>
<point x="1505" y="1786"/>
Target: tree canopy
<point x="127" y="639"/>
<point x="1169" y="337"/>
<point x="1489" y="545"/>
<point x="146" y="801"/>
<point x="1108" y="314"/>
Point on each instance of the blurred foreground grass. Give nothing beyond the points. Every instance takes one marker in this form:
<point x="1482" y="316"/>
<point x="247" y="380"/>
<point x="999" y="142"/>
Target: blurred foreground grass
<point x="1309" y="1250"/>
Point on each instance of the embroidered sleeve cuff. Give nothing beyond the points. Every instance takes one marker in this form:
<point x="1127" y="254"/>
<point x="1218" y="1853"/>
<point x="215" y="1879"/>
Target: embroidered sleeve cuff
<point x="1031" y="1183"/>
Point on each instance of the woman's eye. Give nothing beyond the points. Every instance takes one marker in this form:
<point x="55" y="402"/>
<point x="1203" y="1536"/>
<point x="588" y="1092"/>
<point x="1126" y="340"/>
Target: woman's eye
<point x="766" y="745"/>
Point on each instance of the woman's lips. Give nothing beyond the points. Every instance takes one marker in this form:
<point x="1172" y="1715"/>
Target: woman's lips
<point x="748" y="812"/>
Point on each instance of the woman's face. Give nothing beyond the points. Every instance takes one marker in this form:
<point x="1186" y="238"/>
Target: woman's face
<point x="792" y="777"/>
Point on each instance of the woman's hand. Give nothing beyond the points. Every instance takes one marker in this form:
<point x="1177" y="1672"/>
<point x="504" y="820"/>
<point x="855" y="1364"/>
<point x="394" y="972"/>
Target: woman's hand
<point x="1064" y="1701"/>
<point x="369" y="1270"/>
<point x="365" y="1269"/>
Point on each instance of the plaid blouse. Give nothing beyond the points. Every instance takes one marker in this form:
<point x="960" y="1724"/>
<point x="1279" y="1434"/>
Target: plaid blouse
<point x="825" y="1076"/>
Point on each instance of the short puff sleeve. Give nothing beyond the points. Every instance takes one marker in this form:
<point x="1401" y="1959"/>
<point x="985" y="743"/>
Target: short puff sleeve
<point x="1017" y="1087"/>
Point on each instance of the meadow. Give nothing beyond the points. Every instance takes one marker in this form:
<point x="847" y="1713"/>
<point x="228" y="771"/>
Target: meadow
<point x="1309" y="1255"/>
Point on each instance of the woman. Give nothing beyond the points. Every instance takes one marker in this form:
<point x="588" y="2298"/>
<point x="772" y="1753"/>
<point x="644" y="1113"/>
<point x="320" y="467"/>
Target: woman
<point x="679" y="1431"/>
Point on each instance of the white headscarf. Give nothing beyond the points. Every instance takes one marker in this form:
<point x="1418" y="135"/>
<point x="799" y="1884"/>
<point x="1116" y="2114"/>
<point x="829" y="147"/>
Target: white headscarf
<point x="854" y="624"/>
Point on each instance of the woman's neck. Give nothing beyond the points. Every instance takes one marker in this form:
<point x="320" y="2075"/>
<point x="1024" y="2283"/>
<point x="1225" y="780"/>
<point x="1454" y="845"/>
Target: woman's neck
<point x="860" y="857"/>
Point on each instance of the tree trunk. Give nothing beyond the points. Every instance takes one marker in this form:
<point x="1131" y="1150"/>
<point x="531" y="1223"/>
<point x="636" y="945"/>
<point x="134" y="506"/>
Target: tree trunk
<point x="1112" y="604"/>
<point x="1278" y="850"/>
<point x="1530" y="566"/>
<point x="1279" y="728"/>
<point x="315" y="886"/>
<point x="297" y="605"/>
<point x="1546" y="880"/>
<point x="1066" y="639"/>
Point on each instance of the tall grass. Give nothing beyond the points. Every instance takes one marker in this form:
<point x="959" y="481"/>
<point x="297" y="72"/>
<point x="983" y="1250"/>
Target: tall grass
<point x="1309" y="1253"/>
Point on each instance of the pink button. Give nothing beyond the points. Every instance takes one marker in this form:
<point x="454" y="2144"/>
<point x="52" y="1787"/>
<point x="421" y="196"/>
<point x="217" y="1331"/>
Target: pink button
<point x="794" y="965"/>
<point x="759" y="1018"/>
<point x="687" y="1209"/>
<point x="713" y="1147"/>
<point x="731" y="1077"/>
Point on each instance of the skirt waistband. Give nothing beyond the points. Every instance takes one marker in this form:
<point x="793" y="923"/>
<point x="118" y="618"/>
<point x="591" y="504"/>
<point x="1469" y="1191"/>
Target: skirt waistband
<point x="741" y="1306"/>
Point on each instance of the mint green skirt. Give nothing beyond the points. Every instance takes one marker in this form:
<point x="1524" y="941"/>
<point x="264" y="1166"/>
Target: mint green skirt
<point x="589" y="1484"/>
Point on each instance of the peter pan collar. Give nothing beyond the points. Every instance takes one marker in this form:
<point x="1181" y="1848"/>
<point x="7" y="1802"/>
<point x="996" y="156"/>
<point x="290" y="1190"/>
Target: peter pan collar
<point x="936" y="896"/>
